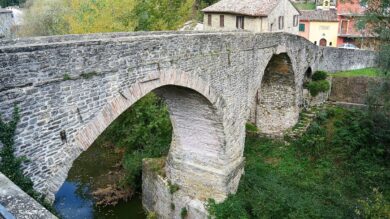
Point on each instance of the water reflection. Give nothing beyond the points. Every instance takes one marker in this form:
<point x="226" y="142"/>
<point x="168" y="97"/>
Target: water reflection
<point x="93" y="169"/>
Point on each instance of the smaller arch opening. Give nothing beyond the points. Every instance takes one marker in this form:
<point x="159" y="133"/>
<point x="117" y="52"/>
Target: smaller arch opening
<point x="308" y="75"/>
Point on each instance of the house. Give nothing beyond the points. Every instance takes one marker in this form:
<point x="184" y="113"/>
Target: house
<point x="6" y="23"/>
<point x="326" y="4"/>
<point x="252" y="15"/>
<point x="319" y="26"/>
<point x="348" y="13"/>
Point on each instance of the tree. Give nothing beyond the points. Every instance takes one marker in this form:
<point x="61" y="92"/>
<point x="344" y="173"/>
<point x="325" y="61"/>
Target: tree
<point x="163" y="14"/>
<point x="44" y="18"/>
<point x="86" y="16"/>
<point x="6" y="3"/>
<point x="377" y="21"/>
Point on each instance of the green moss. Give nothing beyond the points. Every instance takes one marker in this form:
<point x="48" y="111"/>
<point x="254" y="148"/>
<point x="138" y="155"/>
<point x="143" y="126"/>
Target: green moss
<point x="151" y="215"/>
<point x="66" y="77"/>
<point x="183" y="213"/>
<point x="173" y="187"/>
<point x="88" y="75"/>
<point x="251" y="128"/>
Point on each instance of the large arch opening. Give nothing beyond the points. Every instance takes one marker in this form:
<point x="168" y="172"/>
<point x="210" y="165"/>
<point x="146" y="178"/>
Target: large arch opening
<point x="277" y="108"/>
<point x="197" y="132"/>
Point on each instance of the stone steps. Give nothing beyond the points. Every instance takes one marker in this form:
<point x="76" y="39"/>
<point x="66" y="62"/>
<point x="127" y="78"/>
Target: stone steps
<point x="305" y="120"/>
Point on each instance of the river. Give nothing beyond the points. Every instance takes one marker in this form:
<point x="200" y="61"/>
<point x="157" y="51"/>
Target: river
<point x="95" y="168"/>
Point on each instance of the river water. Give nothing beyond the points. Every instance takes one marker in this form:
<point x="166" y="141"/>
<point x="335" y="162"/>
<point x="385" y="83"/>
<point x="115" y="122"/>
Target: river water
<point x="94" y="169"/>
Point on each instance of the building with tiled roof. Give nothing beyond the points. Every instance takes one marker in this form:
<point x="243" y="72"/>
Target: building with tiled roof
<point x="319" y="26"/>
<point x="6" y="23"/>
<point x="252" y="15"/>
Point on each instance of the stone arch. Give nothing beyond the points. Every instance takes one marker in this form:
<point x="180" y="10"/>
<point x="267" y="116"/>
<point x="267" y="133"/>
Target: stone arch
<point x="126" y="98"/>
<point x="277" y="108"/>
<point x="198" y="134"/>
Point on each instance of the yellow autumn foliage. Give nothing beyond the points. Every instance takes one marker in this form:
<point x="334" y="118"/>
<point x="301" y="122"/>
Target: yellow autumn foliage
<point x="94" y="16"/>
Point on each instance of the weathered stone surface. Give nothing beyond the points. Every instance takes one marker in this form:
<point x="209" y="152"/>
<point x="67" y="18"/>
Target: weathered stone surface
<point x="352" y="89"/>
<point x="166" y="203"/>
<point x="70" y="88"/>
<point x="18" y="203"/>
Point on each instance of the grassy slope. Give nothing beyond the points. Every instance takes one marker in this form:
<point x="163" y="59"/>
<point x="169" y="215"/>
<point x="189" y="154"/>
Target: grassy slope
<point x="321" y="175"/>
<point x="305" y="6"/>
<point x="368" y="72"/>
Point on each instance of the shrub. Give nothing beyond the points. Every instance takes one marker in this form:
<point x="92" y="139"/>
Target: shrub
<point x="319" y="75"/>
<point x="315" y="87"/>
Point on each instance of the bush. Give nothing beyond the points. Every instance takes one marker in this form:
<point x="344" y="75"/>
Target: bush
<point x="315" y="87"/>
<point x="319" y="75"/>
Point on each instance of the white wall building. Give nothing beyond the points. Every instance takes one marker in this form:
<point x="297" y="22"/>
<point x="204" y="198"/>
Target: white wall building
<point x="252" y="15"/>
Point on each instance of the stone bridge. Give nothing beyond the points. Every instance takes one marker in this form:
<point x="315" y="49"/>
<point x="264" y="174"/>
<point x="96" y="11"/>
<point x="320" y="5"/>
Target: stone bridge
<point x="70" y="88"/>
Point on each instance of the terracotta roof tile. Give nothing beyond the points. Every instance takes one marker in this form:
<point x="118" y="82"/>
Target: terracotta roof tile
<point x="244" y="7"/>
<point x="319" y="15"/>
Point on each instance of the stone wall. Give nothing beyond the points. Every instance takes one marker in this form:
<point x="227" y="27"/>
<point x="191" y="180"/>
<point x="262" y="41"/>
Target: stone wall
<point x="352" y="90"/>
<point x="70" y="88"/>
<point x="335" y="59"/>
<point x="18" y="203"/>
<point x="277" y="109"/>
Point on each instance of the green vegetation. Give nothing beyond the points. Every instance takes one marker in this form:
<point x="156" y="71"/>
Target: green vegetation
<point x="11" y="166"/>
<point x="173" y="187"/>
<point x="367" y="72"/>
<point x="319" y="83"/>
<point x="6" y="3"/>
<point x="66" y="77"/>
<point x="338" y="169"/>
<point x="306" y="6"/>
<point x="151" y="215"/>
<point x="143" y="131"/>
<point x="183" y="213"/>
<point x="88" y="75"/>
<point x="376" y="17"/>
<point x="53" y="17"/>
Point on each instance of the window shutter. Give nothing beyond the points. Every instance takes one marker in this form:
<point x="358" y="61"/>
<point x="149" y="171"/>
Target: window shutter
<point x="209" y="19"/>
<point x="221" y="21"/>
<point x="243" y="19"/>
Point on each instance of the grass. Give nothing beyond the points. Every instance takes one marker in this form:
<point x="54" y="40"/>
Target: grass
<point x="330" y="172"/>
<point x="366" y="72"/>
<point x="306" y="6"/>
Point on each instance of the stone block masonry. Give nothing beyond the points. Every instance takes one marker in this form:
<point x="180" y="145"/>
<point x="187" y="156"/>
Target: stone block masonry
<point x="70" y="88"/>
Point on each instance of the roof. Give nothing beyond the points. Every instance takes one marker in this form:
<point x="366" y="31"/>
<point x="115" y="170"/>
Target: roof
<point x="244" y="7"/>
<point x="319" y="15"/>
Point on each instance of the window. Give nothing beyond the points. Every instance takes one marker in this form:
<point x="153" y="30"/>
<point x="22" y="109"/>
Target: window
<point x="330" y="43"/>
<point x="240" y="22"/>
<point x="315" y="42"/>
<point x="209" y="19"/>
<point x="296" y="20"/>
<point x="281" y="22"/>
<point x="301" y="27"/>
<point x="221" y="20"/>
